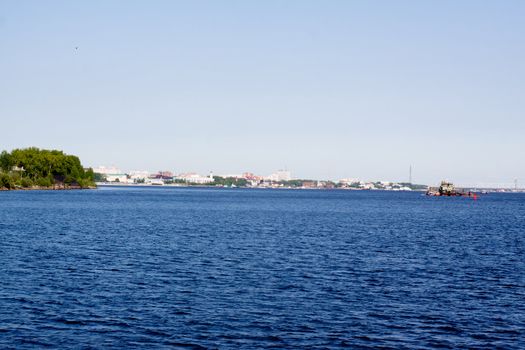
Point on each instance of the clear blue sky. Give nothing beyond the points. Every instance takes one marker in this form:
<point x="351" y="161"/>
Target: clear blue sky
<point x="329" y="89"/>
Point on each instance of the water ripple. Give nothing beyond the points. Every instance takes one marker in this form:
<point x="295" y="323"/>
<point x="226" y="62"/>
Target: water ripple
<point x="199" y="269"/>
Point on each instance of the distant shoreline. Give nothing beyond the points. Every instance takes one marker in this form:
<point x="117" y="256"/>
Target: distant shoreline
<point x="105" y="184"/>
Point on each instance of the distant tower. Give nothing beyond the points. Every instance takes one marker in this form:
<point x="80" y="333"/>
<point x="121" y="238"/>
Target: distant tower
<point x="516" y="184"/>
<point x="410" y="175"/>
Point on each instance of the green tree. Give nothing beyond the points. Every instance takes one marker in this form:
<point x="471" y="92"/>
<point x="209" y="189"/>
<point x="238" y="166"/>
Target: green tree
<point x="44" y="168"/>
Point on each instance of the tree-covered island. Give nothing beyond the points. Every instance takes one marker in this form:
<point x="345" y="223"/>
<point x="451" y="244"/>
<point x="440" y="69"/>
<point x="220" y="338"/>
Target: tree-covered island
<point x="33" y="168"/>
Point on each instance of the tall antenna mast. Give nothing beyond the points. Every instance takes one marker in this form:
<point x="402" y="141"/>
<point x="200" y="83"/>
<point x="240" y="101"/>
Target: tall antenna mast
<point x="410" y="175"/>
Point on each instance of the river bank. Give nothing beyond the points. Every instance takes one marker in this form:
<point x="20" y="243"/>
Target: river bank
<point x="52" y="188"/>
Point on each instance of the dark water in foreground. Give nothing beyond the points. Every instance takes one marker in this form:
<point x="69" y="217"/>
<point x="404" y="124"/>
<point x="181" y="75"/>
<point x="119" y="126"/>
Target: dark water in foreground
<point x="192" y="268"/>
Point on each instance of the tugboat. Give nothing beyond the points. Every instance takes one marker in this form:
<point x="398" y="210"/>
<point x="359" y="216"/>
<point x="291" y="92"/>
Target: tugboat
<point x="449" y="190"/>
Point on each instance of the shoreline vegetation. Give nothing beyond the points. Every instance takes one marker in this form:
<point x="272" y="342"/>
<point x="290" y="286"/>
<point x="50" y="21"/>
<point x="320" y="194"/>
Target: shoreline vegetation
<point x="40" y="169"/>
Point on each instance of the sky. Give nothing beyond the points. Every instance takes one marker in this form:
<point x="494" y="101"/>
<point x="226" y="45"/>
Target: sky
<point x="326" y="89"/>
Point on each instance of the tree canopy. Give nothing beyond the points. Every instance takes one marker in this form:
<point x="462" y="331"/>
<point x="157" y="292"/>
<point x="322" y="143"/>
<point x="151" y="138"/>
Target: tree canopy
<point x="32" y="166"/>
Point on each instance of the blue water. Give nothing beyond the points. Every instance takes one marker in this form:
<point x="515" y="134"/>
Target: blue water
<point x="219" y="268"/>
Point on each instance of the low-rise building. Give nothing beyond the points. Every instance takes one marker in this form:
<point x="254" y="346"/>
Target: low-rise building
<point x="122" y="178"/>
<point x="280" y="175"/>
<point x="107" y="170"/>
<point x="139" y="176"/>
<point x="195" y="178"/>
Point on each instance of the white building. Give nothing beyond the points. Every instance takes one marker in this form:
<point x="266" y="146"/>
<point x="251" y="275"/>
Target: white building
<point x="113" y="174"/>
<point x="349" y="181"/>
<point x="235" y="176"/>
<point x="195" y="178"/>
<point x="122" y="178"/>
<point x="280" y="175"/>
<point x="107" y="170"/>
<point x="139" y="175"/>
<point x="157" y="182"/>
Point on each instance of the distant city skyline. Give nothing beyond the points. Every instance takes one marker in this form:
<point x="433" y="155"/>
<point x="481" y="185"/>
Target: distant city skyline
<point x="328" y="89"/>
<point x="289" y="175"/>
